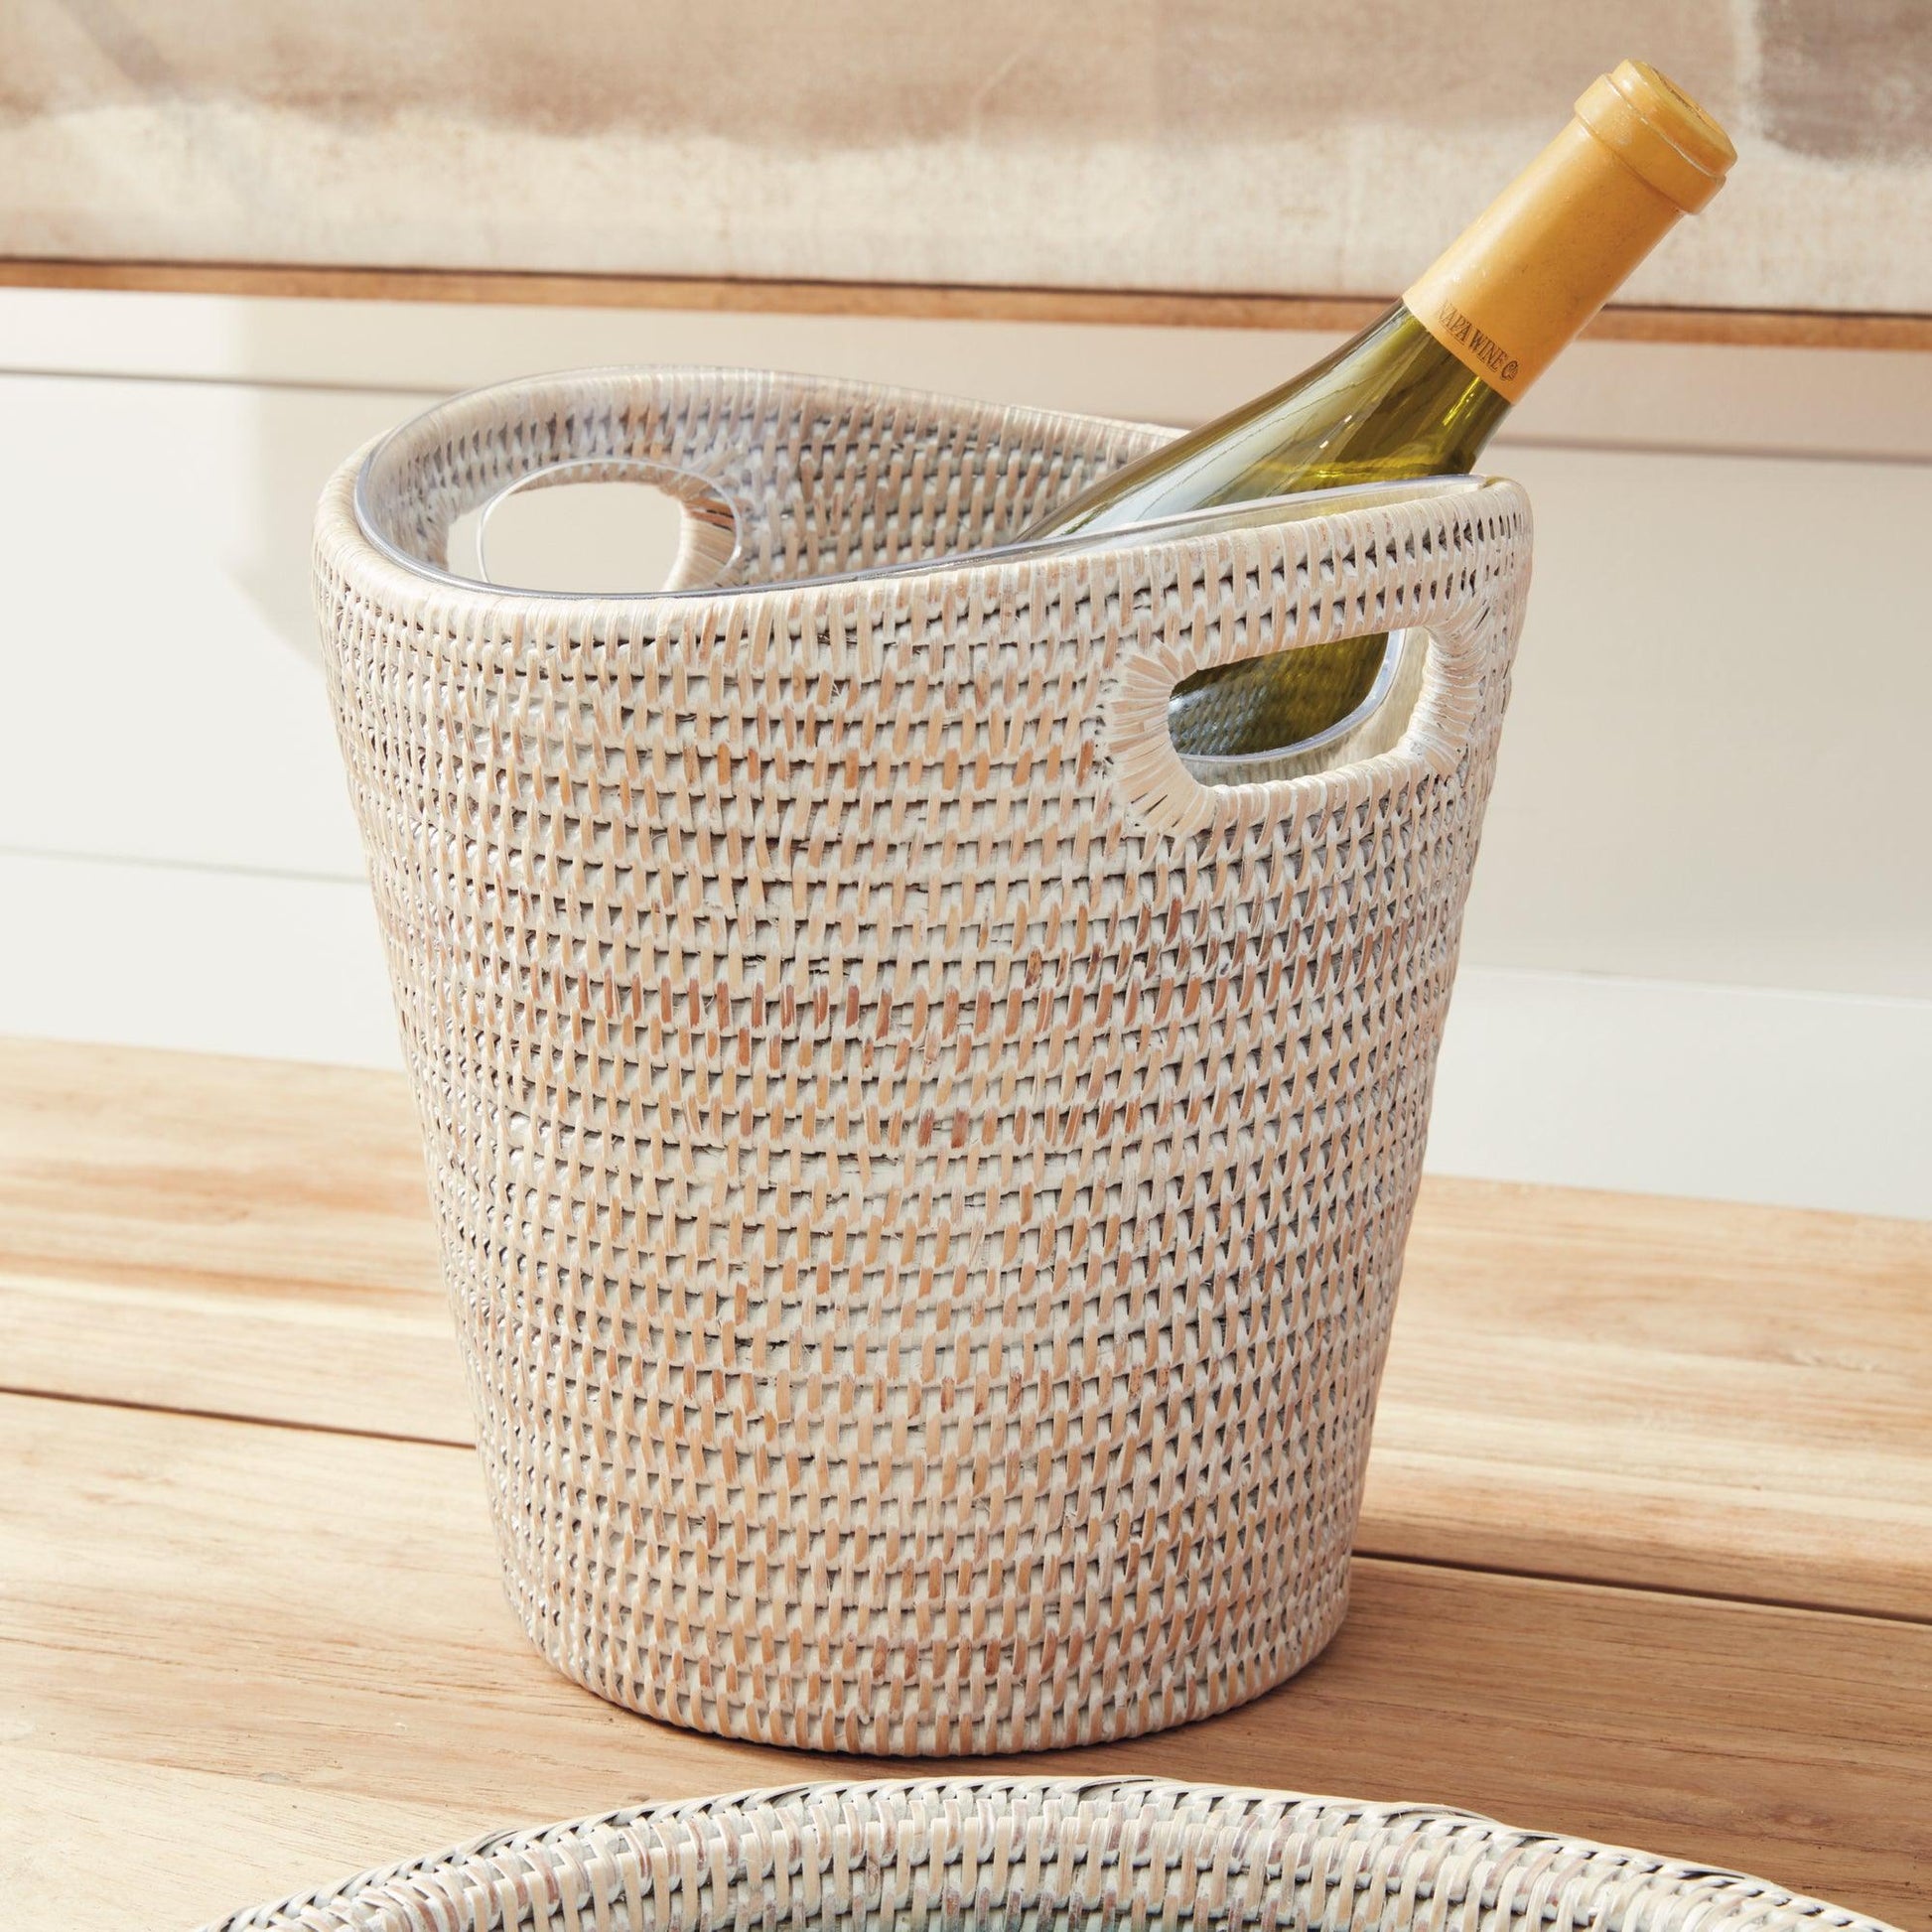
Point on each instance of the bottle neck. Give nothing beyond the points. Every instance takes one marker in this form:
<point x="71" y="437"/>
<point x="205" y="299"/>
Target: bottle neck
<point x="1538" y="263"/>
<point x="1415" y="419"/>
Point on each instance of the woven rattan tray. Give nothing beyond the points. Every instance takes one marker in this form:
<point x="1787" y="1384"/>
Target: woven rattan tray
<point x="1041" y="1854"/>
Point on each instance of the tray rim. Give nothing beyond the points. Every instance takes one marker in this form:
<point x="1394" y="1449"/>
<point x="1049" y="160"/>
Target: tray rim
<point x="1779" y="1908"/>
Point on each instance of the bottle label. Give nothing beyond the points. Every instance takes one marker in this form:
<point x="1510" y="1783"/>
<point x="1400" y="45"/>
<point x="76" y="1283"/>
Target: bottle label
<point x="1481" y="352"/>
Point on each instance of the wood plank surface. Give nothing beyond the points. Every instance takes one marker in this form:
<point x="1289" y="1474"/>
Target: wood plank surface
<point x="1627" y="1389"/>
<point x="245" y="1237"/>
<point x="1623" y="322"/>
<point x="253" y="1656"/>
<point x="1684" y="1394"/>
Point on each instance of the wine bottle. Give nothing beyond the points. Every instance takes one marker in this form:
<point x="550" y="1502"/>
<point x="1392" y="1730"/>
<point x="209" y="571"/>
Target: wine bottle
<point x="1423" y="389"/>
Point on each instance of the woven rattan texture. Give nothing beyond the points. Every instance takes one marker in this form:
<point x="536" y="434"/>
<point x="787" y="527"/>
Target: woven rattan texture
<point x="921" y="1180"/>
<point x="1052" y="1855"/>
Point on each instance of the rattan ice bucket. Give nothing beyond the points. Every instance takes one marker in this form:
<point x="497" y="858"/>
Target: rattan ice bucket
<point x="922" y="1177"/>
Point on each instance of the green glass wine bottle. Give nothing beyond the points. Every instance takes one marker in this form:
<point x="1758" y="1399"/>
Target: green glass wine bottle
<point x="1423" y="389"/>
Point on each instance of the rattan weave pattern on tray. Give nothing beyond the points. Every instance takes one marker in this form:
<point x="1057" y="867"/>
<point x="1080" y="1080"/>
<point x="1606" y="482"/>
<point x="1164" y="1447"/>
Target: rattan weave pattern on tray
<point x="1049" y="1854"/>
<point x="923" y="1181"/>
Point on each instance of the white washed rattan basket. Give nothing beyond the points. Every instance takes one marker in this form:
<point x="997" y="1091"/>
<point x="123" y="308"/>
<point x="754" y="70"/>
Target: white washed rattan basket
<point x="1043" y="1856"/>
<point x="923" y="1180"/>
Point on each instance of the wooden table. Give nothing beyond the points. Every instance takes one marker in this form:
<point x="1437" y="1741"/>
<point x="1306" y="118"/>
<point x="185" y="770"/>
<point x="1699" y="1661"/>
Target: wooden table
<point x="1647" y="1551"/>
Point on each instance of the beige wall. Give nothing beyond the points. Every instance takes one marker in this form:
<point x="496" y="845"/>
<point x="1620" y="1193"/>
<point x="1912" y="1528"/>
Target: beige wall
<point x="1256" y="145"/>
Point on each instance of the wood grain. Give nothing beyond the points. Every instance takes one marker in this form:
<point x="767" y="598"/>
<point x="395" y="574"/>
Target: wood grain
<point x="1760" y="327"/>
<point x="237" y="1236"/>
<point x="1681" y="1394"/>
<point x="102" y="1844"/>
<point x="203" y="1619"/>
<point x="1676" y="1394"/>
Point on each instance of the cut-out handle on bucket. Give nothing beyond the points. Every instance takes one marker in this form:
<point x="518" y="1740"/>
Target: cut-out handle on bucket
<point x="1388" y="580"/>
<point x="711" y="534"/>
